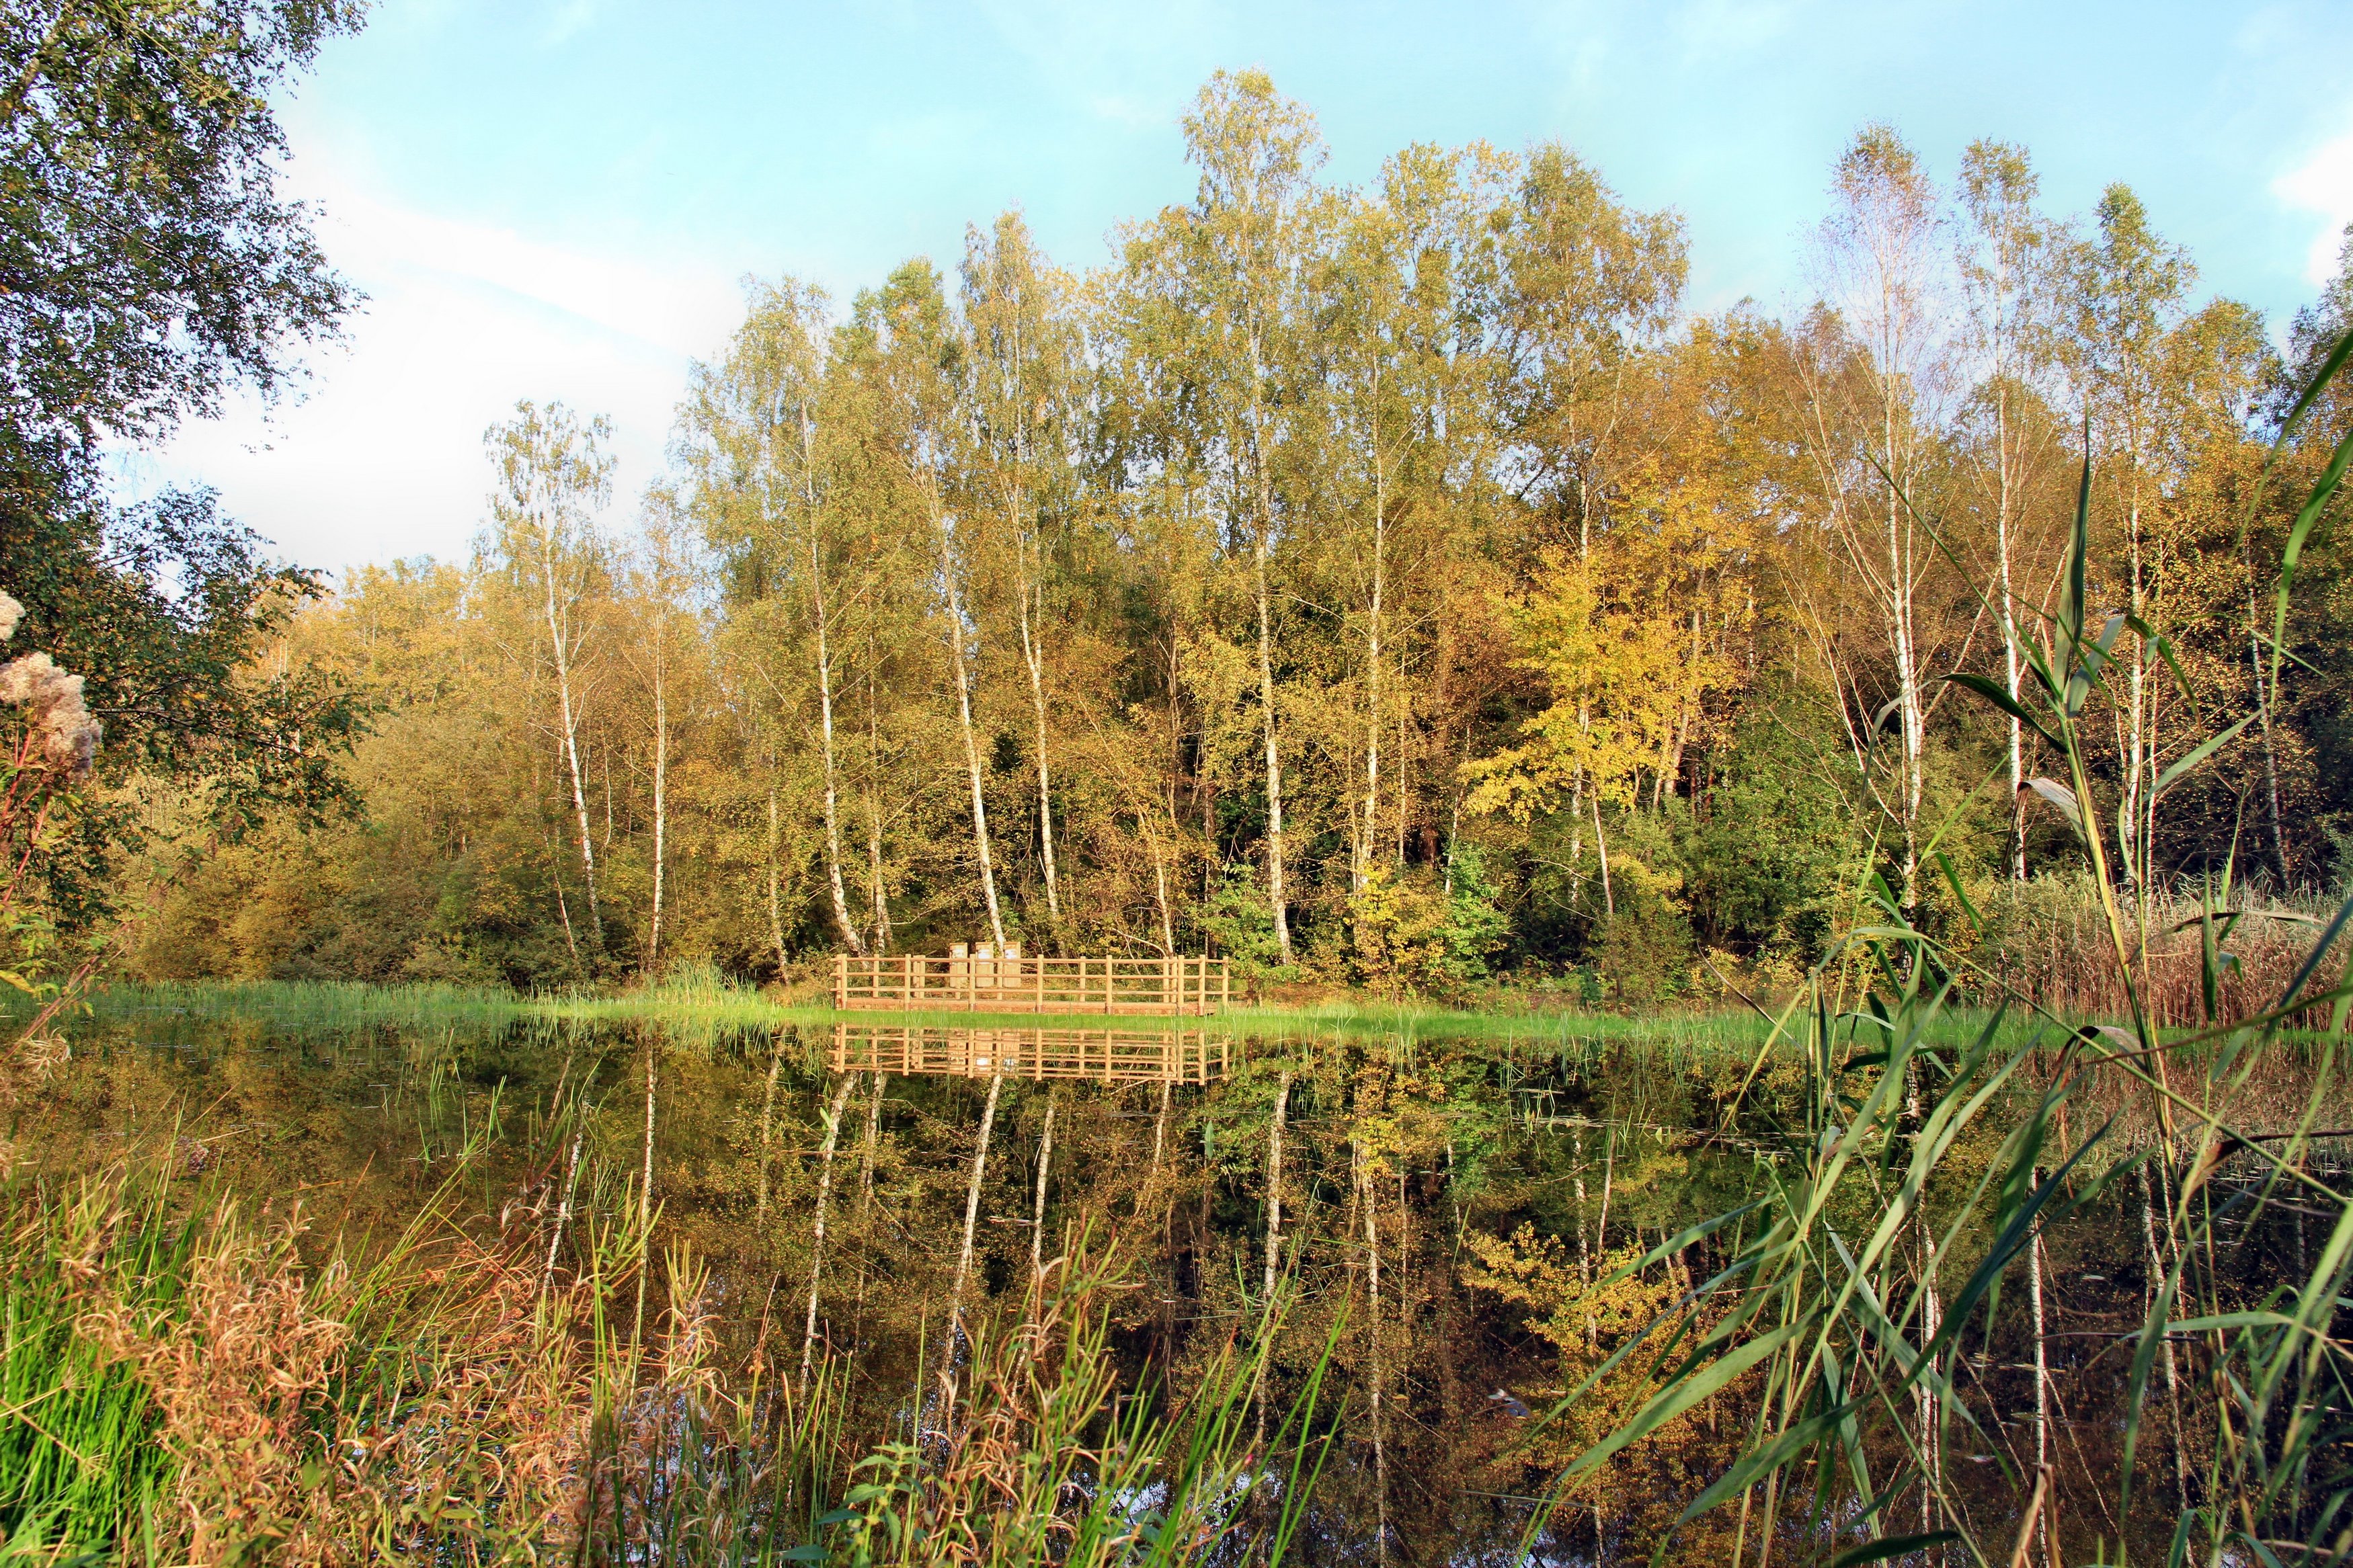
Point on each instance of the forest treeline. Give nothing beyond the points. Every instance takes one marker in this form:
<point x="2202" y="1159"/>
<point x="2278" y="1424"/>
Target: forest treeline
<point x="1397" y="583"/>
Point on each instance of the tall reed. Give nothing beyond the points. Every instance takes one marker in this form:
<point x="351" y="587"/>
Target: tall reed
<point x="1892" y="1216"/>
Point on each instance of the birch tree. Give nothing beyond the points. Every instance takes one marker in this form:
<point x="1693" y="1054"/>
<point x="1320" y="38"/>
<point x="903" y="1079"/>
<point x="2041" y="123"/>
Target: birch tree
<point x="1020" y="375"/>
<point x="2126" y="296"/>
<point x="2006" y="265"/>
<point x="1873" y="421"/>
<point x="555" y="478"/>
<point x="1256" y="218"/>
<point x="922" y="366"/>
<point x="662" y="588"/>
<point x="753" y="429"/>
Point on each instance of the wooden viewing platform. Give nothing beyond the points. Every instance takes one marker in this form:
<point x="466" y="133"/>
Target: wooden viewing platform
<point x="1009" y="982"/>
<point x="1100" y="1056"/>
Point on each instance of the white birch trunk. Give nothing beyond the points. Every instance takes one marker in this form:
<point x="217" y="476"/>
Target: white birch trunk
<point x="559" y="643"/>
<point x="1273" y="1250"/>
<point x="824" y="732"/>
<point x="972" y="1211"/>
<point x="816" y="1236"/>
<point x="1373" y="1277"/>
<point x="960" y="667"/>
<point x="661" y="806"/>
<point x="1038" y="1212"/>
<point x="775" y="897"/>
<point x="1278" y="900"/>
<point x="1373" y="667"/>
<point x="877" y="896"/>
<point x="1029" y="594"/>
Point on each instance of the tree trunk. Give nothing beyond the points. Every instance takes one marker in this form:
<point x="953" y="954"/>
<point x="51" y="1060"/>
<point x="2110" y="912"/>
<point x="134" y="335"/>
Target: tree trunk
<point x="645" y="1207"/>
<point x="825" y="734"/>
<point x="1373" y="1275"/>
<point x="1037" y="1213"/>
<point x="878" y="897"/>
<point x="972" y="1210"/>
<point x="776" y="897"/>
<point x="562" y="907"/>
<point x="661" y="806"/>
<point x="1278" y="901"/>
<point x="2137" y="675"/>
<point x="1160" y="895"/>
<point x="2005" y="485"/>
<point x="962" y="673"/>
<point x="1274" y="1249"/>
<point x="2264" y="696"/>
<point x="1932" y="1454"/>
<point x="1033" y="657"/>
<point x="1277" y="898"/>
<point x="816" y="1236"/>
<point x="558" y="644"/>
<point x="1363" y="867"/>
<point x="1912" y="715"/>
<point x="1609" y="898"/>
<point x="1404" y="797"/>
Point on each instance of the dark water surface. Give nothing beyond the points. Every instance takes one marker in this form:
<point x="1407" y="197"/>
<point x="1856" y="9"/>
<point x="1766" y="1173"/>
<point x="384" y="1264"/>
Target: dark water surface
<point x="1446" y="1208"/>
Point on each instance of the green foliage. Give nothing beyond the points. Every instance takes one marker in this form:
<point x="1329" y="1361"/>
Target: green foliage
<point x="1761" y="867"/>
<point x="153" y="263"/>
<point x="1642" y="950"/>
<point x="1237" y="919"/>
<point x="1396" y="935"/>
<point x="1476" y="930"/>
<point x="140" y="219"/>
<point x="1410" y="934"/>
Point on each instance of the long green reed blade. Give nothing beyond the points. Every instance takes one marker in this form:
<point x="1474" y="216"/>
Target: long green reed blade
<point x="1889" y="1546"/>
<point x="1680" y="1396"/>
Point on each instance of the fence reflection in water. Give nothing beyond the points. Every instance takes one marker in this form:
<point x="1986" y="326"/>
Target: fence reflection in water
<point x="1100" y="1056"/>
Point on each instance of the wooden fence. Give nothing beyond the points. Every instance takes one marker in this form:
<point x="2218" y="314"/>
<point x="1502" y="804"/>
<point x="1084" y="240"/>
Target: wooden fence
<point x="1183" y="987"/>
<point x="1101" y="1056"/>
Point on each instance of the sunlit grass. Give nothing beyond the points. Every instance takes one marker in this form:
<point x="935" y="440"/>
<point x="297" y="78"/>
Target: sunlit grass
<point x="703" y="1001"/>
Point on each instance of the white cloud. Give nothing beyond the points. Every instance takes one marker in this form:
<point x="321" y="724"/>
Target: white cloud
<point x="384" y="456"/>
<point x="2322" y="184"/>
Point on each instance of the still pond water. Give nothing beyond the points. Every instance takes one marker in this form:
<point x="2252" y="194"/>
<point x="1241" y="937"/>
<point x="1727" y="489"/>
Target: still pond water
<point x="1435" y="1210"/>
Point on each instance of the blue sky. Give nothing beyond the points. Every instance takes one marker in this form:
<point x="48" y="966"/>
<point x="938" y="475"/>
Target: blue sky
<point x="557" y="198"/>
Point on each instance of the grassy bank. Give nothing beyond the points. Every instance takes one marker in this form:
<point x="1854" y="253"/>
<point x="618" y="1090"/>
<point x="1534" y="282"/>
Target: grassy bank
<point x="302" y="1005"/>
<point x="703" y="1004"/>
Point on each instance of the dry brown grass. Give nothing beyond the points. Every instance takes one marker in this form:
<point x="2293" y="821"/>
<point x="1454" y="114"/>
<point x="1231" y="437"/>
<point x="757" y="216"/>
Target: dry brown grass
<point x="2047" y="940"/>
<point x="321" y="1415"/>
<point x="234" y="1370"/>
